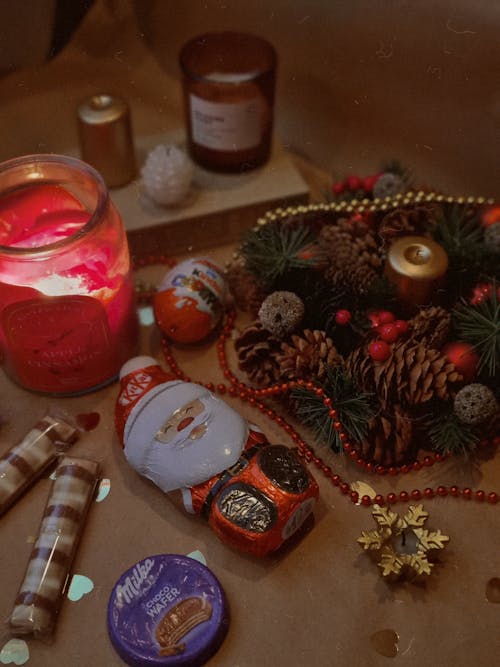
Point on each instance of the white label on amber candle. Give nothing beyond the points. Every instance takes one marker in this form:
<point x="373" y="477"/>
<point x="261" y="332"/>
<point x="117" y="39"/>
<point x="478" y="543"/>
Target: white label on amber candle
<point x="225" y="126"/>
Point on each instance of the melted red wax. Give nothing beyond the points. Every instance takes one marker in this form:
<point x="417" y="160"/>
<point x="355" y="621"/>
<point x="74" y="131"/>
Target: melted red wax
<point x="39" y="215"/>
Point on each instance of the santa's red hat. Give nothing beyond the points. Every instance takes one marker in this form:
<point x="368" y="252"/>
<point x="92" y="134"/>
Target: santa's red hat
<point x="137" y="377"/>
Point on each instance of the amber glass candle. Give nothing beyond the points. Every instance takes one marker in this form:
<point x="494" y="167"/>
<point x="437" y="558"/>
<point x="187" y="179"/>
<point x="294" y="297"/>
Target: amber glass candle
<point x="228" y="84"/>
<point x="67" y="312"/>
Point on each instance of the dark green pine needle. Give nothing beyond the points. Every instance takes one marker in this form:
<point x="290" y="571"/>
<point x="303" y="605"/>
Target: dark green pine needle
<point x="448" y="434"/>
<point x="273" y="250"/>
<point x="355" y="409"/>
<point x="479" y="325"/>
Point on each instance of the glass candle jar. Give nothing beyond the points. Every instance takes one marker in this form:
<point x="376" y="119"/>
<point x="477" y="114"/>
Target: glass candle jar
<point x="67" y="313"/>
<point x="228" y="84"/>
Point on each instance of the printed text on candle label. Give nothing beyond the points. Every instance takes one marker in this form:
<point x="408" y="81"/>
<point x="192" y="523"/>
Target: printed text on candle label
<point x="60" y="339"/>
<point x="226" y="126"/>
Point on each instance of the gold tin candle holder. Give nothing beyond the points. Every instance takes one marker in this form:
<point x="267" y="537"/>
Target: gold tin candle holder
<point x="416" y="265"/>
<point x="105" y="132"/>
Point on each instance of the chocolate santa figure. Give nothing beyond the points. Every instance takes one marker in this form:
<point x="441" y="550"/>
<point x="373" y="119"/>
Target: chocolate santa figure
<point x="181" y="436"/>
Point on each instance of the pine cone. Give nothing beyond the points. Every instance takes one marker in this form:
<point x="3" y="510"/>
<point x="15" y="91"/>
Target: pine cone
<point x="408" y="220"/>
<point x="491" y="428"/>
<point x="352" y="253"/>
<point x="256" y="349"/>
<point x="431" y="327"/>
<point x="414" y="374"/>
<point x="389" y="439"/>
<point x="359" y="366"/>
<point x="245" y="289"/>
<point x="308" y="356"/>
<point x="359" y="278"/>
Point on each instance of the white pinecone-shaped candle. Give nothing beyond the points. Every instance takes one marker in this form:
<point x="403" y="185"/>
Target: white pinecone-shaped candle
<point x="166" y="175"/>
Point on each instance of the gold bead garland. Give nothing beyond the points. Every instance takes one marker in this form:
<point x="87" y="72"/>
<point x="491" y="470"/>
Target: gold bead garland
<point x="370" y="205"/>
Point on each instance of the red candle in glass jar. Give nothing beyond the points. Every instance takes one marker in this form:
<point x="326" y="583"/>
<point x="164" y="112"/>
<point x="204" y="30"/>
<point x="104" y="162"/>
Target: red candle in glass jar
<point x="67" y="313"/>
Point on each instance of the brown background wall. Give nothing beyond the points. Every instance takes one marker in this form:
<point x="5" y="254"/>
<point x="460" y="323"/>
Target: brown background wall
<point x="361" y="81"/>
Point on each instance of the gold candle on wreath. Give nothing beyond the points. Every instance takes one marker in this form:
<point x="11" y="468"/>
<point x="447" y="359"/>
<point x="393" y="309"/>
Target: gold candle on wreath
<point x="417" y="266"/>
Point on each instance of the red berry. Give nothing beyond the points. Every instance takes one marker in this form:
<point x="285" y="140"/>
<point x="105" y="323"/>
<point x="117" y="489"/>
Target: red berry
<point x="369" y="182"/>
<point x="353" y="182"/>
<point x="385" y="316"/>
<point x="374" y="317"/>
<point x="343" y="316"/>
<point x="388" y="332"/>
<point x="379" y="350"/>
<point x="402" y="326"/>
<point x="338" y="188"/>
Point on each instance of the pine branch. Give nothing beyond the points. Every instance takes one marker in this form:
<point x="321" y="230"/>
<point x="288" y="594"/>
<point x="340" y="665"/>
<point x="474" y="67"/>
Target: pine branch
<point x="461" y="234"/>
<point x="448" y="434"/>
<point x="273" y="250"/>
<point x="479" y="325"/>
<point x="355" y="409"/>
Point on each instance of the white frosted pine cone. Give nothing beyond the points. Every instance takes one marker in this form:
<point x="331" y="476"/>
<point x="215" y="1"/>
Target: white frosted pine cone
<point x="166" y="174"/>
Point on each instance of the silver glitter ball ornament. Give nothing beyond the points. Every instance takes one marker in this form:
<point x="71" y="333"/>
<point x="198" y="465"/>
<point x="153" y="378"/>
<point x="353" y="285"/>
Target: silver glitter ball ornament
<point x="167" y="174"/>
<point x="388" y="185"/>
<point x="281" y="312"/>
<point x="475" y="403"/>
<point x="492" y="237"/>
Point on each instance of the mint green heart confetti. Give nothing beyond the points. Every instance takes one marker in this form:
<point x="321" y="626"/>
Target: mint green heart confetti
<point x="104" y="489"/>
<point x="80" y="585"/>
<point x="15" y="651"/>
<point x="197" y="555"/>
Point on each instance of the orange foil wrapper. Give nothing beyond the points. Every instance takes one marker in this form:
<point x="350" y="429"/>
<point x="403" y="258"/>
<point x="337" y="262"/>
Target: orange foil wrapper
<point x="259" y="503"/>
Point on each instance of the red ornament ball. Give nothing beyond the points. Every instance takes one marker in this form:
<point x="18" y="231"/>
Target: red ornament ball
<point x="491" y="215"/>
<point x="343" y="316"/>
<point x="463" y="357"/>
<point x="379" y="350"/>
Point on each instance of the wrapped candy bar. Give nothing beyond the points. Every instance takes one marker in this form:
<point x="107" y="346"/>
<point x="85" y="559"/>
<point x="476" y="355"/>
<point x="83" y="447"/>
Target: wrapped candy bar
<point x="23" y="464"/>
<point x="40" y="594"/>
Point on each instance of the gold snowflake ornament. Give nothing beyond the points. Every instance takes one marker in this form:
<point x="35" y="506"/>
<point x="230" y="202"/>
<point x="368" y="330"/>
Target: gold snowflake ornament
<point x="401" y="546"/>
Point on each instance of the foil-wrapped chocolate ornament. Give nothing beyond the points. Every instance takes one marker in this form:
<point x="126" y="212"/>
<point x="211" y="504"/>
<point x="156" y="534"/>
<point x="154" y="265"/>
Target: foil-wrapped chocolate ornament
<point x="189" y="302"/>
<point x="182" y="437"/>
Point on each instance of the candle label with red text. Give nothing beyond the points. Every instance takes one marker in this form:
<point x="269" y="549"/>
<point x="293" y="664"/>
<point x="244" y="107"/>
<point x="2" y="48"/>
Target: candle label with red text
<point x="58" y="344"/>
<point x="226" y="126"/>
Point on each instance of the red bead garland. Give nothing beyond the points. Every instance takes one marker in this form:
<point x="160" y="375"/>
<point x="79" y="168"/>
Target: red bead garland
<point x="252" y="396"/>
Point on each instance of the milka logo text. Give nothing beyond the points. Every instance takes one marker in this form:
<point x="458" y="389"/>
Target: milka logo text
<point x="131" y="587"/>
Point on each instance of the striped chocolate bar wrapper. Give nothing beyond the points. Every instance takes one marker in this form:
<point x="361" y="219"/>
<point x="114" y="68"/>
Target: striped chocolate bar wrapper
<point x="41" y="592"/>
<point x="21" y="465"/>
